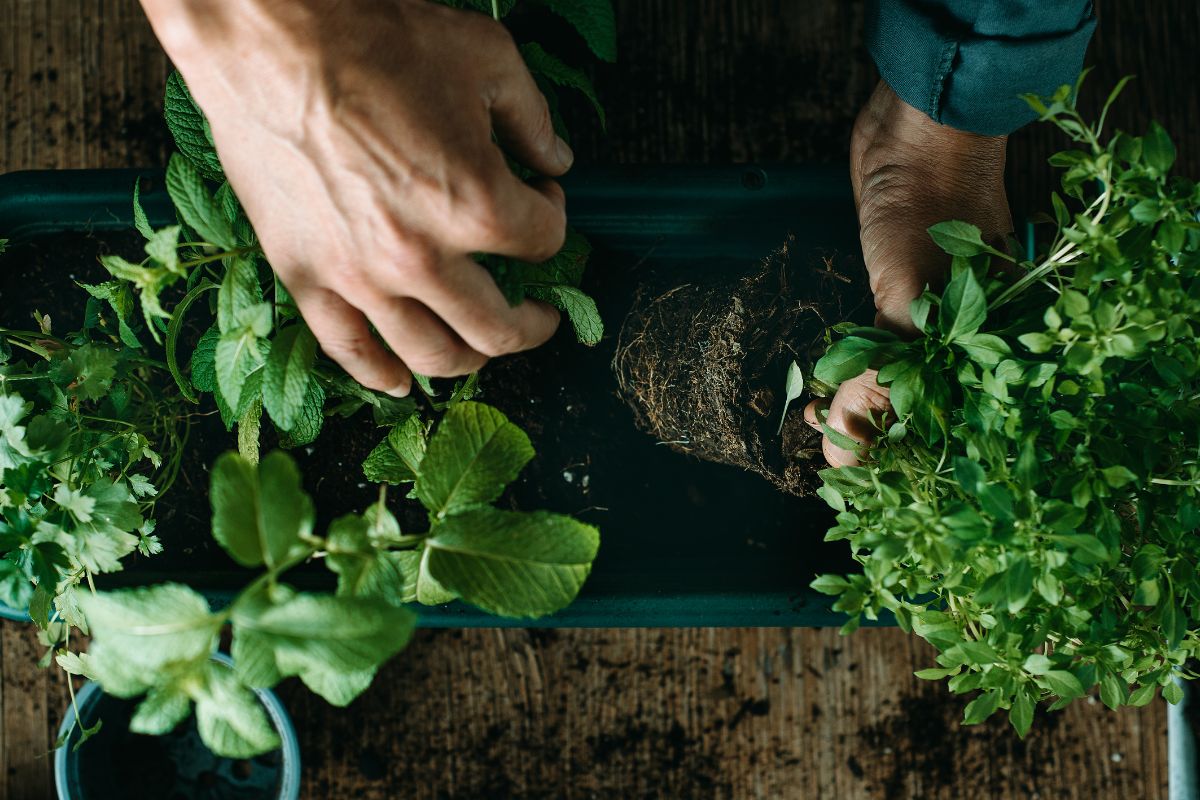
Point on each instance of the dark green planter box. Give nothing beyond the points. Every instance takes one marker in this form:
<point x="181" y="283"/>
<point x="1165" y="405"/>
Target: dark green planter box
<point x="722" y="550"/>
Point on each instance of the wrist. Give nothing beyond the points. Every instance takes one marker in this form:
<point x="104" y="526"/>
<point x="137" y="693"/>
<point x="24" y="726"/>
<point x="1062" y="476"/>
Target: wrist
<point x="194" y="30"/>
<point x="889" y="129"/>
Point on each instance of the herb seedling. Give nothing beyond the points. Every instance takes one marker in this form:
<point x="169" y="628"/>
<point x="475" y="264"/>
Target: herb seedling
<point x="1031" y="508"/>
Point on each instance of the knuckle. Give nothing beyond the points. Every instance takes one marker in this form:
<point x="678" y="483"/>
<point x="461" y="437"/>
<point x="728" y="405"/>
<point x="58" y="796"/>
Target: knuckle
<point x="346" y="349"/>
<point x="543" y="127"/>
<point x="483" y="218"/>
<point x="554" y="238"/>
<point x="445" y="362"/>
<point x="503" y="341"/>
<point x="412" y="260"/>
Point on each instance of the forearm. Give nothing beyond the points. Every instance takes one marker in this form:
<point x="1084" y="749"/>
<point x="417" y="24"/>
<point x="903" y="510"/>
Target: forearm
<point x="964" y="63"/>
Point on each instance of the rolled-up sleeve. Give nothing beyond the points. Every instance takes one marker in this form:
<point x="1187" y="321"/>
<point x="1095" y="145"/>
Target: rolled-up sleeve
<point x="966" y="62"/>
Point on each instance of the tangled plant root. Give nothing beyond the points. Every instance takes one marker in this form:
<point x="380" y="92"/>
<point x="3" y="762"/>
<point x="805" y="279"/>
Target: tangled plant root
<point x="703" y="364"/>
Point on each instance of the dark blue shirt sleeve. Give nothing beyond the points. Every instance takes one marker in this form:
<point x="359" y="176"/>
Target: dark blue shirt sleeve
<point x="965" y="62"/>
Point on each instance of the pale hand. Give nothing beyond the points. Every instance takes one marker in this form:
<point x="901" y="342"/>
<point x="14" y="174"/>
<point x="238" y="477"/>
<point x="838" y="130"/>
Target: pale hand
<point x="359" y="139"/>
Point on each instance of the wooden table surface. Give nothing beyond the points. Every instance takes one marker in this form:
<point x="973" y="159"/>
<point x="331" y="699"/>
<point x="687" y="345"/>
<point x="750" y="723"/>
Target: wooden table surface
<point x="720" y="713"/>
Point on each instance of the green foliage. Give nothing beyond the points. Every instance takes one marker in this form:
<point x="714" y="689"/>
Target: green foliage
<point x="158" y="640"/>
<point x="507" y="563"/>
<point x="189" y="127"/>
<point x="595" y="21"/>
<point x="1031" y="509"/>
<point x="510" y="563"/>
<point x="82" y="419"/>
<point x="475" y="453"/>
<point x="550" y="68"/>
<point x="793" y="388"/>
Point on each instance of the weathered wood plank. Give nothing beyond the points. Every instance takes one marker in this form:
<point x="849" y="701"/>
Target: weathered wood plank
<point x="82" y="86"/>
<point x="701" y="713"/>
<point x="31" y="701"/>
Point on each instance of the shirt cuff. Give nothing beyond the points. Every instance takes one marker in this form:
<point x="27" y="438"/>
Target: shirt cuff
<point x="965" y="63"/>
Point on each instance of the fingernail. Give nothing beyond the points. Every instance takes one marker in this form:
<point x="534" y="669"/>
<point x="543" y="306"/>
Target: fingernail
<point x="566" y="156"/>
<point x="400" y="391"/>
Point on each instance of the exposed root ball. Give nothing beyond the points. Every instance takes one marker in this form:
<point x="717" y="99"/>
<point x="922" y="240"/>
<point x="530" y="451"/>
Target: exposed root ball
<point x="703" y="365"/>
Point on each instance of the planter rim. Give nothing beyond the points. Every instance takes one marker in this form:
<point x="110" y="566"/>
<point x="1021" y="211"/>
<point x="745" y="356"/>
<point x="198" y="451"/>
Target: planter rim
<point x="681" y="214"/>
<point x="289" y="786"/>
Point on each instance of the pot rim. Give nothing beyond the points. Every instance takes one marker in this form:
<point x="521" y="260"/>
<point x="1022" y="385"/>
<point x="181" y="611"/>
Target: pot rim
<point x="289" y="785"/>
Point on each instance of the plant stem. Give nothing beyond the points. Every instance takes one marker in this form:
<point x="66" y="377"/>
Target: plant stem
<point x="496" y="10"/>
<point x="1173" y="482"/>
<point x="240" y="251"/>
<point x="1065" y="255"/>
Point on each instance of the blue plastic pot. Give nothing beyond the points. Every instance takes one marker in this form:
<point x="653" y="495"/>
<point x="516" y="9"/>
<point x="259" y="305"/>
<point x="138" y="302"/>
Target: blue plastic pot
<point x="176" y="765"/>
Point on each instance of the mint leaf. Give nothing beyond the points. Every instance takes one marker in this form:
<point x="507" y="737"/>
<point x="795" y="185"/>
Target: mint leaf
<point x="190" y="129"/>
<point x="239" y="291"/>
<point x="249" y="427"/>
<point x="512" y="564"/>
<point x="472" y="456"/>
<point x="366" y="571"/>
<point x="203" y="366"/>
<point x="544" y="65"/>
<point x="195" y="205"/>
<point x="310" y="420"/>
<point x="397" y="459"/>
<point x="235" y="358"/>
<point x="137" y="632"/>
<point x="579" y="307"/>
<point x="329" y="642"/>
<point x="566" y="268"/>
<point x="429" y="591"/>
<point x="287" y="374"/>
<point x="595" y="21"/>
<point x="261" y="515"/>
<point x="231" y="720"/>
<point x="161" y="711"/>
<point x="383" y="465"/>
<point x="162" y="249"/>
<point x="140" y="221"/>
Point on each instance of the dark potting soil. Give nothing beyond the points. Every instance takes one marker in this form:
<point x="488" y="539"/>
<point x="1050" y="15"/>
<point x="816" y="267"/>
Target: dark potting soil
<point x="652" y="505"/>
<point x="177" y="766"/>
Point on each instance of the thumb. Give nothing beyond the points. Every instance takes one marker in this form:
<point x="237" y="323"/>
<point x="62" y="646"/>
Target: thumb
<point x="856" y="402"/>
<point x="521" y="119"/>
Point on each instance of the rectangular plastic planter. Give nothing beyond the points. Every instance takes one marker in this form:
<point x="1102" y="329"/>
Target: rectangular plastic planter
<point x="741" y="556"/>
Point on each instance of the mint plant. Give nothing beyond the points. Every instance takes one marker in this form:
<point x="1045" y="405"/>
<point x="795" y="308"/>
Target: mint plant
<point x="1030" y="507"/>
<point x="85" y="417"/>
<point x="158" y="641"/>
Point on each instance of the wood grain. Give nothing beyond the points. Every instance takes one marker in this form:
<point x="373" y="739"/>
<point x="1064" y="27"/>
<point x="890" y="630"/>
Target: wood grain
<point x="31" y="704"/>
<point x="82" y="86"/>
<point x="701" y="713"/>
<point x="646" y="713"/>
